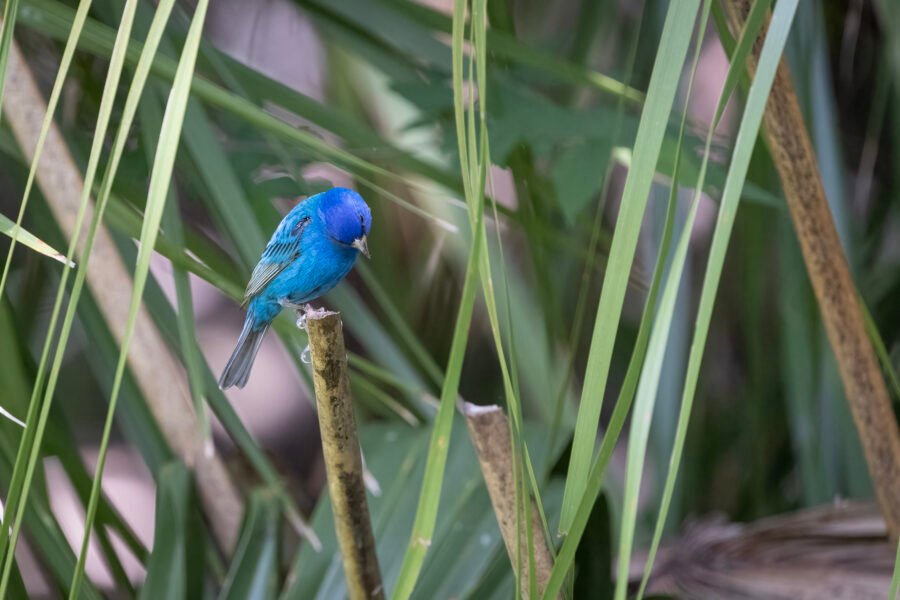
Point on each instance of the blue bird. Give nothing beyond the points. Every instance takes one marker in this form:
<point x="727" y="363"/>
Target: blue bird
<point x="313" y="248"/>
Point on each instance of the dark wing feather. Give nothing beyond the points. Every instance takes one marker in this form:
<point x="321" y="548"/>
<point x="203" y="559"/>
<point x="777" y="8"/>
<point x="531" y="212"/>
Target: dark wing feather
<point x="282" y="250"/>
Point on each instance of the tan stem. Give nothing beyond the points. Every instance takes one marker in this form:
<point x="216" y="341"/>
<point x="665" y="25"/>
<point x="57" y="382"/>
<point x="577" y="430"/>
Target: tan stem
<point x="489" y="430"/>
<point x="343" y="461"/>
<point x="835" y="291"/>
<point x="159" y="377"/>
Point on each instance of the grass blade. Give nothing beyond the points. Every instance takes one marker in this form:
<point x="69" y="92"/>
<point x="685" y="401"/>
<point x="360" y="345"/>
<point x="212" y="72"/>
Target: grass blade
<point x="670" y="57"/>
<point x="160" y="180"/>
<point x="254" y="567"/>
<point x="175" y="568"/>
<point x="653" y="362"/>
<point x="429" y="498"/>
<point x="737" y="173"/>
<point x="646" y="395"/>
<point x="61" y="73"/>
<point x="38" y="412"/>
<point x="754" y="24"/>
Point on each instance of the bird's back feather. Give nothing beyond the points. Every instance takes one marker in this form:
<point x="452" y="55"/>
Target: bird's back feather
<point x="280" y="252"/>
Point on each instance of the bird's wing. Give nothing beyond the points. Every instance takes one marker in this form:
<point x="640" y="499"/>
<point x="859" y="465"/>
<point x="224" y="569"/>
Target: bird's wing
<point x="282" y="250"/>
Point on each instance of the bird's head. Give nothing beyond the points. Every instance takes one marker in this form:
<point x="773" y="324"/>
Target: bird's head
<point x="347" y="218"/>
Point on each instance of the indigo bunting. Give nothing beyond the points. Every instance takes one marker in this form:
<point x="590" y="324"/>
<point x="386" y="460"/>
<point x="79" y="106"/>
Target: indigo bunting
<point x="313" y="248"/>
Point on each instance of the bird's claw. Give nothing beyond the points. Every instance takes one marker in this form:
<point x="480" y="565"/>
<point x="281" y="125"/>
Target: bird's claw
<point x="304" y="311"/>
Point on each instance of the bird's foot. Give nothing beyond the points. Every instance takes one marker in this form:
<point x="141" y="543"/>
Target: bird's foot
<point x="304" y="311"/>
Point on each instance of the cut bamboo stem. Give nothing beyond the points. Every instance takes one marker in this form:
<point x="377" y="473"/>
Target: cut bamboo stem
<point x="489" y="430"/>
<point x="835" y="291"/>
<point x="343" y="461"/>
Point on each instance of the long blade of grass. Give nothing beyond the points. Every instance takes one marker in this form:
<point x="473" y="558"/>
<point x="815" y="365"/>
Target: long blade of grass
<point x="160" y="180"/>
<point x="748" y="37"/>
<point x="670" y="57"/>
<point x="61" y="73"/>
<point x="643" y="407"/>
<point x="581" y="302"/>
<point x="773" y="47"/>
<point x="737" y="174"/>
<point x="426" y="512"/>
<point x="473" y="180"/>
<point x="74" y="35"/>
<point x="650" y="374"/>
<point x="38" y="412"/>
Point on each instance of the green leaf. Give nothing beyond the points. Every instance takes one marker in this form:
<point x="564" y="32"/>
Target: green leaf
<point x="254" y="567"/>
<point x="574" y="187"/>
<point x="175" y="568"/>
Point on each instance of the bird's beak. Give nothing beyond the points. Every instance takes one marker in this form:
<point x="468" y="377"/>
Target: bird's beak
<point x="362" y="245"/>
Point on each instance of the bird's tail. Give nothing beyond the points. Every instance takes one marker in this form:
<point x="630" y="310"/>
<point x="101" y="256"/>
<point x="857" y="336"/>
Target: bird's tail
<point x="237" y="371"/>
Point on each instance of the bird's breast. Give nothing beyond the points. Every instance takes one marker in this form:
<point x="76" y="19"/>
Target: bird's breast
<point x="317" y="270"/>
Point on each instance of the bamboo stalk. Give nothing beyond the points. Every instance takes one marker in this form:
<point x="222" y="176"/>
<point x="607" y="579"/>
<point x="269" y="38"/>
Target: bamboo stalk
<point x="159" y="377"/>
<point x="835" y="291"/>
<point x="343" y="460"/>
<point x="489" y="430"/>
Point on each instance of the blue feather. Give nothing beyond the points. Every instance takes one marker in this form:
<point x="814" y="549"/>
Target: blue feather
<point x="311" y="251"/>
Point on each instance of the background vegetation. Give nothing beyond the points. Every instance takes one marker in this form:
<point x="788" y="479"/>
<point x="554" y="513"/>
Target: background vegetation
<point x="548" y="184"/>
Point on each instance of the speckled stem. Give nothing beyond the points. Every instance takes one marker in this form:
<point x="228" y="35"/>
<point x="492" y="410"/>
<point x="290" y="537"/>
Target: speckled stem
<point x="343" y="463"/>
<point x="489" y="431"/>
<point x="835" y="291"/>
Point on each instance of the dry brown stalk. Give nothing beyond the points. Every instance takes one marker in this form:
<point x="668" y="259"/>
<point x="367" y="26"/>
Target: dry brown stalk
<point x="159" y="377"/>
<point x="343" y="461"/>
<point x="835" y="291"/>
<point x="489" y="430"/>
